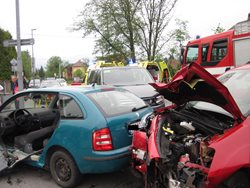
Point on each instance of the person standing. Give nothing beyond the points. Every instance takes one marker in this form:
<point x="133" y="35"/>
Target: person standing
<point x="14" y="84"/>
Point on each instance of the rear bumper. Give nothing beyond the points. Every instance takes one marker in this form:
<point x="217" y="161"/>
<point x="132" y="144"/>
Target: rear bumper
<point x="108" y="158"/>
<point x="108" y="161"/>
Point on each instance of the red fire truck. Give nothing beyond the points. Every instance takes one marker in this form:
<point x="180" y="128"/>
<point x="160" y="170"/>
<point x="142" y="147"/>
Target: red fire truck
<point x="222" y="51"/>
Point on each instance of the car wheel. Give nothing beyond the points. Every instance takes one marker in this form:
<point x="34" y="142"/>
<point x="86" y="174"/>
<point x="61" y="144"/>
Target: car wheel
<point x="238" y="180"/>
<point x="64" y="170"/>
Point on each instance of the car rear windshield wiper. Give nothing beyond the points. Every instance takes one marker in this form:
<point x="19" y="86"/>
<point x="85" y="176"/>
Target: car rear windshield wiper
<point x="136" y="109"/>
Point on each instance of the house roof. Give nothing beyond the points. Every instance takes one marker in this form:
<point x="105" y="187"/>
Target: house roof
<point x="80" y="63"/>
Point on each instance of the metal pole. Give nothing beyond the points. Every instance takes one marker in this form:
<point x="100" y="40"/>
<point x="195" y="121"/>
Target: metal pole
<point x="33" y="59"/>
<point x="19" y="55"/>
<point x="59" y="70"/>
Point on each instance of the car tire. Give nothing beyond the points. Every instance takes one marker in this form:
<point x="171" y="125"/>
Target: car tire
<point x="238" y="180"/>
<point x="64" y="170"/>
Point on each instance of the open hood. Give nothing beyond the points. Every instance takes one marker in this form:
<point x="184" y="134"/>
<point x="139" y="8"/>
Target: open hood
<point x="194" y="83"/>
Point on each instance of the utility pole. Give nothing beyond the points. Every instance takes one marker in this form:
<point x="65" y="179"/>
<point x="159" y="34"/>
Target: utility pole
<point x="33" y="59"/>
<point x="60" y="70"/>
<point x="19" y="55"/>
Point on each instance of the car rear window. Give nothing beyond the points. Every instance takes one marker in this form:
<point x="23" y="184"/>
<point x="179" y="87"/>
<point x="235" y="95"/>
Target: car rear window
<point x="116" y="102"/>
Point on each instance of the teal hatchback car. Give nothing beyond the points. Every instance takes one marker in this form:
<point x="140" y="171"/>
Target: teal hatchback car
<point x="69" y="130"/>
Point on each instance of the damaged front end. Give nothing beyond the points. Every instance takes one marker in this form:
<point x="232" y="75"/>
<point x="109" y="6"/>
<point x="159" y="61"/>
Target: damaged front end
<point x="139" y="142"/>
<point x="183" y="139"/>
<point x="176" y="147"/>
<point x="175" y="150"/>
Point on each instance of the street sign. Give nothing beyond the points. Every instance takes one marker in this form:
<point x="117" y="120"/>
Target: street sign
<point x="12" y="43"/>
<point x="13" y="62"/>
<point x="14" y="68"/>
<point x="27" y="41"/>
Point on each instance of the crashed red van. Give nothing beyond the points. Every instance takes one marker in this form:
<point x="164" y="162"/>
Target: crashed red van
<point x="203" y="139"/>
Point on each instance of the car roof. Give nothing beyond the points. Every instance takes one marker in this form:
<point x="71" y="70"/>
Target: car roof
<point x="76" y="89"/>
<point x="61" y="79"/>
<point x="49" y="80"/>
<point x="124" y="67"/>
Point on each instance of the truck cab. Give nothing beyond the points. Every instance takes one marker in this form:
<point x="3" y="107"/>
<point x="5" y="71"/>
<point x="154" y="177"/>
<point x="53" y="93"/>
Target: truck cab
<point x="220" y="52"/>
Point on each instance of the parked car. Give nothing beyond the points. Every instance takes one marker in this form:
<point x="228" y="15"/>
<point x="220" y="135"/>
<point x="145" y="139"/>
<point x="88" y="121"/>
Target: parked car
<point x="34" y="83"/>
<point x="62" y="81"/>
<point x="134" y="79"/>
<point x="50" y="83"/>
<point x="202" y="140"/>
<point x="69" y="130"/>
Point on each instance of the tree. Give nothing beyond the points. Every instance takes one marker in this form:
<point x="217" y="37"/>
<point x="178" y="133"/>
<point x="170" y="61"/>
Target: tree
<point x="6" y="55"/>
<point x="179" y="36"/>
<point x="52" y="67"/>
<point x="41" y="73"/>
<point x="154" y="19"/>
<point x="112" y="21"/>
<point x="78" y="73"/>
<point x="26" y="60"/>
<point x="218" y="29"/>
<point x="122" y="26"/>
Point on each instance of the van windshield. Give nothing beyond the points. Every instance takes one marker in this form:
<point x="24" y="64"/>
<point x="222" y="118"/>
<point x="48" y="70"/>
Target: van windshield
<point x="192" y="54"/>
<point x="121" y="77"/>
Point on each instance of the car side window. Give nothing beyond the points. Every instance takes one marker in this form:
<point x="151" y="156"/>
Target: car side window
<point x="30" y="101"/>
<point x="69" y="109"/>
<point x="42" y="100"/>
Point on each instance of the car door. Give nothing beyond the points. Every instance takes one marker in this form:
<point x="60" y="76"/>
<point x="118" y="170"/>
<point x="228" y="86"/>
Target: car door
<point x="33" y="102"/>
<point x="72" y="121"/>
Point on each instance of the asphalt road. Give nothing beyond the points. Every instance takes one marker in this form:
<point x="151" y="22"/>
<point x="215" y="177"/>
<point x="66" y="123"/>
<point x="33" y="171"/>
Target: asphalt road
<point x="28" y="177"/>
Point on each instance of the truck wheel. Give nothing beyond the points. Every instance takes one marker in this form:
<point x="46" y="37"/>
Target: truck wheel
<point x="238" y="180"/>
<point x="64" y="170"/>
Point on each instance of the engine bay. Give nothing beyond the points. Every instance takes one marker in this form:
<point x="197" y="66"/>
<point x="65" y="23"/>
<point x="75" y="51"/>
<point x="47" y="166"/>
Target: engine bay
<point x="184" y="136"/>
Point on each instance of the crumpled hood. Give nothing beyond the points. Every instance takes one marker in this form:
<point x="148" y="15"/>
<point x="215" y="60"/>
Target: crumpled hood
<point x="194" y="83"/>
<point x="142" y="91"/>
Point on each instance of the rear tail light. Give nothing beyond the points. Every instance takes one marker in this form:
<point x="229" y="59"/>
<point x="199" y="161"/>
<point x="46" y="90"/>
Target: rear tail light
<point x="102" y="140"/>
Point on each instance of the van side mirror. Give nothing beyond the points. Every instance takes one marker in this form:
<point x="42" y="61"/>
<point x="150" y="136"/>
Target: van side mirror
<point x="1" y="88"/>
<point x="182" y="55"/>
<point x="227" y="69"/>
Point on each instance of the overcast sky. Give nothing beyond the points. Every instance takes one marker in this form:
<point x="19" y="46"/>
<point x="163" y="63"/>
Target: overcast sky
<point x="52" y="18"/>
